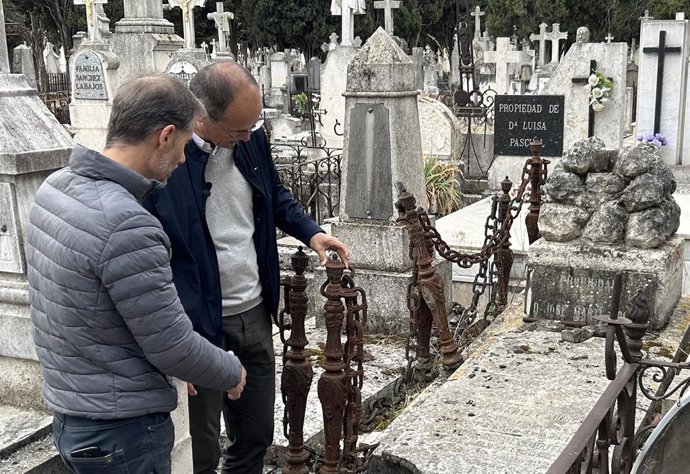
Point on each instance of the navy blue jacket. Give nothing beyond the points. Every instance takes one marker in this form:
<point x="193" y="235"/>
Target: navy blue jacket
<point x="180" y="207"/>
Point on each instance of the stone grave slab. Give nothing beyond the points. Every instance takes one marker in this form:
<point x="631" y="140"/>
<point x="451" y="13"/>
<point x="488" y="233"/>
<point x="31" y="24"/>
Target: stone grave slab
<point x="18" y="426"/>
<point x="511" y="407"/>
<point x="573" y="281"/>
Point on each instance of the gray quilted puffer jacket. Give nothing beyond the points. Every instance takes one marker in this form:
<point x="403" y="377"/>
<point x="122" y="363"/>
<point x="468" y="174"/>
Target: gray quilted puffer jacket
<point x="107" y="320"/>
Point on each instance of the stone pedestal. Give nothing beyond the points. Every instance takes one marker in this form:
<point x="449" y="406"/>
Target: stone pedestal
<point x="573" y="281"/>
<point x="95" y="80"/>
<point x="143" y="39"/>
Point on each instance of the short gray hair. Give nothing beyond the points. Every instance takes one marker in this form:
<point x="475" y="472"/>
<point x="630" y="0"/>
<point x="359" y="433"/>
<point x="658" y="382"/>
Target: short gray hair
<point x="148" y="103"/>
<point x="216" y="85"/>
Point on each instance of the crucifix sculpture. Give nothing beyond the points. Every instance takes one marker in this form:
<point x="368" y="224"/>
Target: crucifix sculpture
<point x="187" y="7"/>
<point x="388" y="6"/>
<point x="609" y="38"/>
<point x="222" y="21"/>
<point x="661" y="50"/>
<point x="583" y="80"/>
<point x="92" y="17"/>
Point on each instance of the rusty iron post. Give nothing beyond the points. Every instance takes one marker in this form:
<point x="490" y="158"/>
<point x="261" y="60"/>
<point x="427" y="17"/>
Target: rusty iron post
<point x="297" y="372"/>
<point x="504" y="256"/>
<point x="537" y="177"/>
<point x="332" y="384"/>
<point x="637" y="311"/>
<point x="431" y="288"/>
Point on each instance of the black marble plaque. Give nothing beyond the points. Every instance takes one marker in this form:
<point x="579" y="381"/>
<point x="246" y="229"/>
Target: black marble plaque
<point x="521" y="118"/>
<point x="369" y="179"/>
<point x="578" y="294"/>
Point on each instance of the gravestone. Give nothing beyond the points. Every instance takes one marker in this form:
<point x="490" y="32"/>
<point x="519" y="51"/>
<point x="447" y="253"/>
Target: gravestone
<point x="541" y="38"/>
<point x="606" y="212"/>
<point x="314" y="74"/>
<point x="440" y="130"/>
<point x="388" y="6"/>
<point x="274" y="97"/>
<point x="333" y="82"/>
<point x="662" y="84"/>
<point x="94" y="79"/>
<point x="144" y="39"/>
<point x="503" y="58"/>
<point x="382" y="150"/>
<point x="23" y="63"/>
<point x="418" y="60"/>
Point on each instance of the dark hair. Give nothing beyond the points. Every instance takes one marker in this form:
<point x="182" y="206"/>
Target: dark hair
<point x="216" y="84"/>
<point x="146" y="104"/>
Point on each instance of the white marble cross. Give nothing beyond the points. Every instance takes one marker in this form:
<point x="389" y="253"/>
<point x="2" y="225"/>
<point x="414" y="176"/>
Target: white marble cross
<point x="555" y="37"/>
<point x="541" y="37"/>
<point x="92" y="17"/>
<point x="503" y="57"/>
<point x="222" y="20"/>
<point x="347" y="9"/>
<point x="187" y="7"/>
<point x="477" y="14"/>
<point x="609" y="38"/>
<point x="646" y="16"/>
<point x="388" y="6"/>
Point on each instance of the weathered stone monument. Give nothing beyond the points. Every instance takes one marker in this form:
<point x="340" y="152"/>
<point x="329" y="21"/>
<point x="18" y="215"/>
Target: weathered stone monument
<point x="440" y="130"/>
<point x="143" y="34"/>
<point x="607" y="212"/>
<point x="222" y="20"/>
<point x="662" y="84"/>
<point x="382" y="151"/>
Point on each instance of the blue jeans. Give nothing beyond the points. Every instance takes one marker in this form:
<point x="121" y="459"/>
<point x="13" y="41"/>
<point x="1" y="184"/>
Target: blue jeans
<point x="139" y="445"/>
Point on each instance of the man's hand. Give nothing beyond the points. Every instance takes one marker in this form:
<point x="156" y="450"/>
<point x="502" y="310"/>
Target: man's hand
<point x="321" y="242"/>
<point x="236" y="392"/>
<point x="191" y="390"/>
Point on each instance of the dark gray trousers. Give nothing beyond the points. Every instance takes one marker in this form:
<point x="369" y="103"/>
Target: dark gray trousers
<point x="249" y="420"/>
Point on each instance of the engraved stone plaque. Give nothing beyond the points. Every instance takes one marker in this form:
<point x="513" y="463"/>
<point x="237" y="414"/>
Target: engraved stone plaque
<point x="579" y="294"/>
<point x="369" y="177"/>
<point x="89" y="82"/>
<point x="11" y="260"/>
<point x="184" y="70"/>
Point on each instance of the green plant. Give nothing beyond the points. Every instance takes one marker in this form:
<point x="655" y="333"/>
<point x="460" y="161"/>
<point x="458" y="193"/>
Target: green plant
<point x="442" y="188"/>
<point x="301" y="103"/>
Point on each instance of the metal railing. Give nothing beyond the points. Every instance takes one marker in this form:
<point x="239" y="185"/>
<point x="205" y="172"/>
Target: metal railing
<point x="312" y="174"/>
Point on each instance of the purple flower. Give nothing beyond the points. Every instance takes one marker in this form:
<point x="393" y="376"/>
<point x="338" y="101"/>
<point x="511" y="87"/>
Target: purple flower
<point x="648" y="137"/>
<point x="656" y="143"/>
<point x="662" y="139"/>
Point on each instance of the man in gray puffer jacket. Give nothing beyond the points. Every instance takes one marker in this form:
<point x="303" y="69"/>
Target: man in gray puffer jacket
<point x="109" y="328"/>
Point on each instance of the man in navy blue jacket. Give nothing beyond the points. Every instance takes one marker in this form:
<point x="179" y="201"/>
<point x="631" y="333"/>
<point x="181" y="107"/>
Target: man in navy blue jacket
<point x="220" y="210"/>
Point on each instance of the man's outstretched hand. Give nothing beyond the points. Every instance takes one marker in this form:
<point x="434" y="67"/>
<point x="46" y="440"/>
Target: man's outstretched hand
<point x="236" y="392"/>
<point x="321" y="242"/>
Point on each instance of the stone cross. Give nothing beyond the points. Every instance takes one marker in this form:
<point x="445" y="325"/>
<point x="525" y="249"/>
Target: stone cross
<point x="646" y="16"/>
<point x="541" y="37"/>
<point x="583" y="80"/>
<point x="502" y="58"/>
<point x="661" y="51"/>
<point x="92" y="21"/>
<point x="222" y="20"/>
<point x="388" y="6"/>
<point x="609" y="38"/>
<point x="347" y="9"/>
<point x="4" y="54"/>
<point x="477" y="13"/>
<point x="555" y="37"/>
<point x="187" y="7"/>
